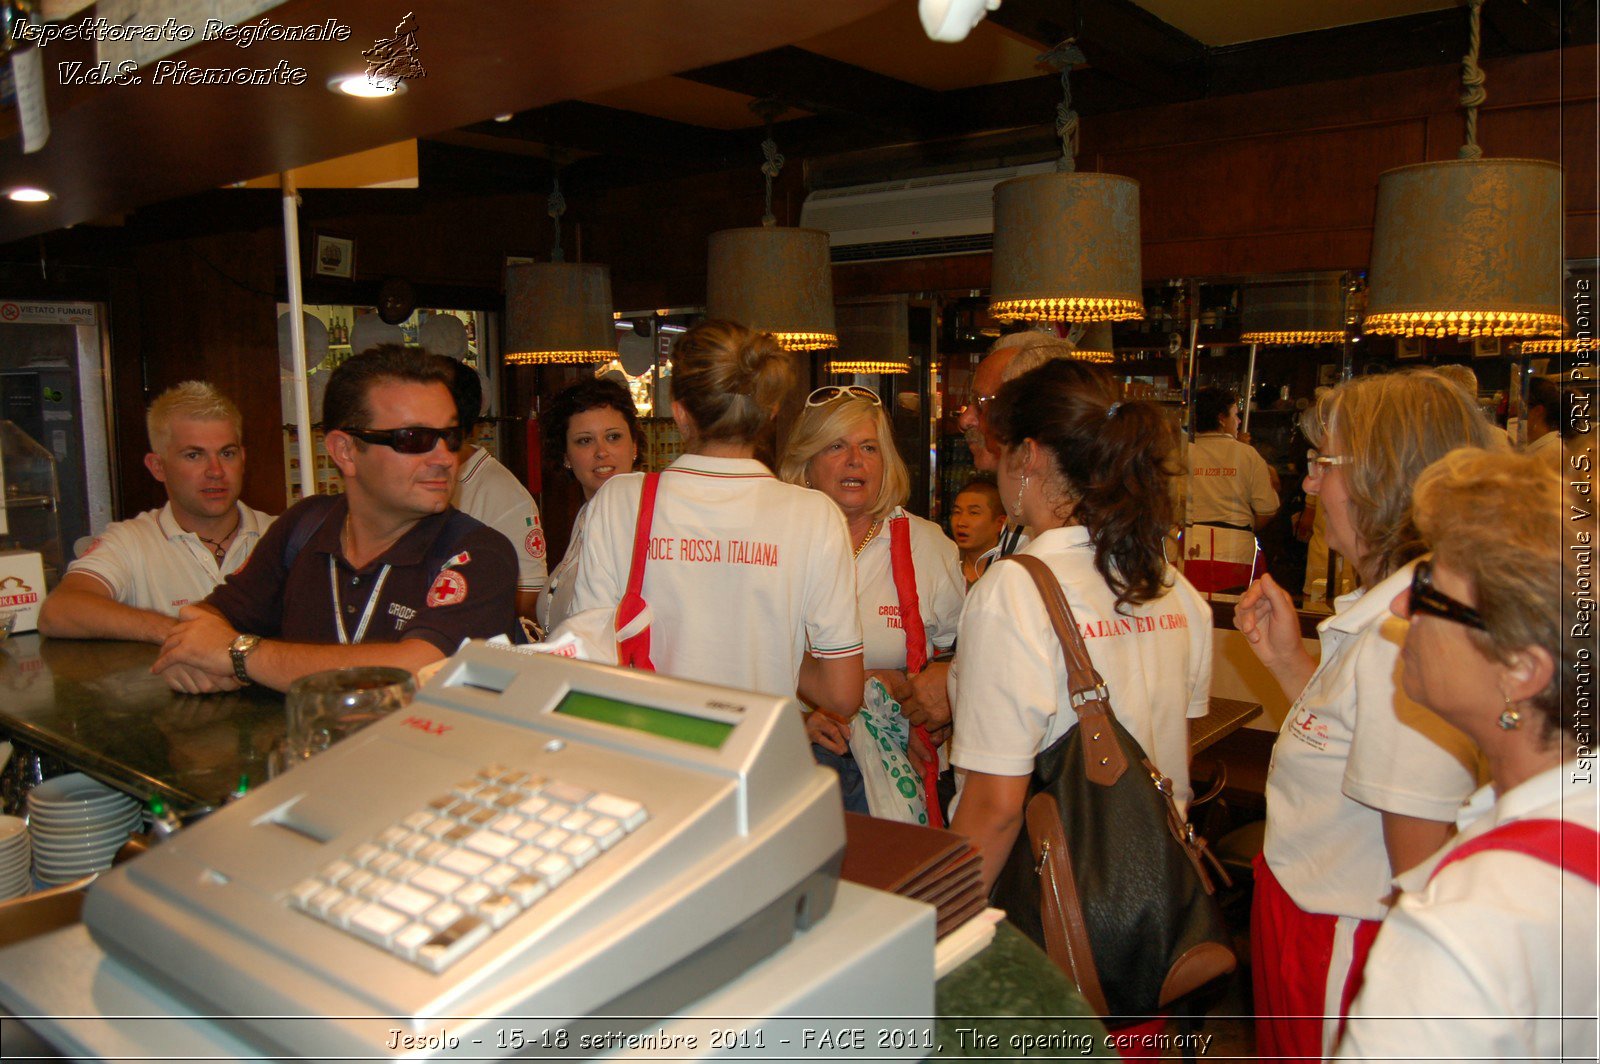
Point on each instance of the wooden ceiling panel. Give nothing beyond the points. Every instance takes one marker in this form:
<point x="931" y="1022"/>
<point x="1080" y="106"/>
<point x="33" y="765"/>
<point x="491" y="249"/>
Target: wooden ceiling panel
<point x="118" y="147"/>
<point x="1220" y="22"/>
<point x="687" y="101"/>
<point x="891" y="42"/>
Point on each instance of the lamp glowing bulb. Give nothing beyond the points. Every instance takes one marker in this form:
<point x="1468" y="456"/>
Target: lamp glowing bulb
<point x="29" y="195"/>
<point x="364" y="87"/>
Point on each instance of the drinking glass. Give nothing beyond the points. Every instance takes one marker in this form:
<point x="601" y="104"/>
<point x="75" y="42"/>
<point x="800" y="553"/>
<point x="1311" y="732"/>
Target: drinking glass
<point x="328" y="706"/>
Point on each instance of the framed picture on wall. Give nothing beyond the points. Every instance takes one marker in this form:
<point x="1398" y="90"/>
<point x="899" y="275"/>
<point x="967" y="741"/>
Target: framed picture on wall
<point x="1408" y="347"/>
<point x="335" y="256"/>
<point x="1486" y="347"/>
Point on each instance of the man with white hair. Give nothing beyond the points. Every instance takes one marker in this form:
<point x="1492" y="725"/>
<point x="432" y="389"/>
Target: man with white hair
<point x="986" y="381"/>
<point x="1009" y="358"/>
<point x="131" y="582"/>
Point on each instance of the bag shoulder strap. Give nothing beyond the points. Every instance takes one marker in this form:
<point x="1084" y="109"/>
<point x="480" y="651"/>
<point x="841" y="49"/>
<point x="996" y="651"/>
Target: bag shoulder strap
<point x="904" y="571"/>
<point x="1569" y="847"/>
<point x="641" y="532"/>
<point x="315" y="514"/>
<point x="905" y="587"/>
<point x="1103" y="759"/>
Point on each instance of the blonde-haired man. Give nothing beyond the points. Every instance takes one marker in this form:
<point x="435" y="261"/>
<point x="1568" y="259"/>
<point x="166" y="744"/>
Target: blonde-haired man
<point x="132" y="580"/>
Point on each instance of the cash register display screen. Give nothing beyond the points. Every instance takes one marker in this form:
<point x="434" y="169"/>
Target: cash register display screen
<point x="662" y="722"/>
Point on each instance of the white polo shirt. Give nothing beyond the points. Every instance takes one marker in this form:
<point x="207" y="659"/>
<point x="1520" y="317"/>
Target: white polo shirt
<point x="489" y="491"/>
<point x="1011" y="692"/>
<point x="1228" y="482"/>
<point x="1352" y="747"/>
<point x="555" y="605"/>
<point x="1494" y="959"/>
<point x="940" y="590"/>
<point x="744" y="572"/>
<point x="1547" y="447"/>
<point x="151" y="563"/>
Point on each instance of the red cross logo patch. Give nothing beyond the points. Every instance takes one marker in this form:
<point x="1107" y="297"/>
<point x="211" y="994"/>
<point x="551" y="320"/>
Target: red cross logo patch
<point x="449" y="588"/>
<point x="534" y="543"/>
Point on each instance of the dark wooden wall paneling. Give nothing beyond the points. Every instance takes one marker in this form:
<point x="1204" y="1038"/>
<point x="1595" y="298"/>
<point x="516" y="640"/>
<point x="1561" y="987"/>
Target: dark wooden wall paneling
<point x="205" y="309"/>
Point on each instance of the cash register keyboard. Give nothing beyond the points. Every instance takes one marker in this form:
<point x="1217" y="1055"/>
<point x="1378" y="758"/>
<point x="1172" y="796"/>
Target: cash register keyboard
<point x="435" y="884"/>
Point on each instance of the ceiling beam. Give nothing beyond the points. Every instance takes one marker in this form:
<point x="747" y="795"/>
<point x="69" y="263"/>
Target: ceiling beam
<point x="609" y="131"/>
<point x="1120" y="39"/>
<point x="815" y="83"/>
<point x="1361" y="50"/>
<point x="1525" y="25"/>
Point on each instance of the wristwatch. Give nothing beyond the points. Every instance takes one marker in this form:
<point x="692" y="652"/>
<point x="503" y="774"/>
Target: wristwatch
<point x="239" y="650"/>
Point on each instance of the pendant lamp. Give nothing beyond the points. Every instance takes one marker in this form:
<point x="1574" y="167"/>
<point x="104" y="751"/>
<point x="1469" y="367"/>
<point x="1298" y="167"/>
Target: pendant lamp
<point x="1468" y="246"/>
<point x="1066" y="245"/>
<point x="773" y="278"/>
<point x="558" y="311"/>
<point x="1302" y="311"/>
<point x="1093" y="344"/>
<point x="874" y="337"/>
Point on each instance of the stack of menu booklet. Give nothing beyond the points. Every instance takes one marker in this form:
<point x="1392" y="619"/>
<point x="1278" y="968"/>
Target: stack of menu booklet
<point x="928" y="865"/>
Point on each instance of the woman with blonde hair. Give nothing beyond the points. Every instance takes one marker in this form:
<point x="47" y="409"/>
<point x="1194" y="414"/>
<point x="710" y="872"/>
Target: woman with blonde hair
<point x="1500" y="922"/>
<point x="1364" y="783"/>
<point x="748" y="579"/>
<point x="843" y="446"/>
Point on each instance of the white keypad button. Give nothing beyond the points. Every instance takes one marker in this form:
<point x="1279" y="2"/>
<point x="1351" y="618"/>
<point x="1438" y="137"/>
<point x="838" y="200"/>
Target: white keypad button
<point x="630" y="813"/>
<point x="437" y="883"/>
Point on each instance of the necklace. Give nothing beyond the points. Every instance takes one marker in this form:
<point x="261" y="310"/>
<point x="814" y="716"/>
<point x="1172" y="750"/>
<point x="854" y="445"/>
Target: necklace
<point x="871" y="532"/>
<point x="219" y="547"/>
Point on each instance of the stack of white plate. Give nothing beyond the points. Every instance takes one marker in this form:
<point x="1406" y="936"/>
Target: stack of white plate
<point x="16" y="858"/>
<point x="78" y="825"/>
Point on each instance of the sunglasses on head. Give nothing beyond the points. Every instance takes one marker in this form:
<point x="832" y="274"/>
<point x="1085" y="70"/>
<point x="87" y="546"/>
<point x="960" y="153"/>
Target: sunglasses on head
<point x="828" y="393"/>
<point x="414" y="439"/>
<point x="1426" y="599"/>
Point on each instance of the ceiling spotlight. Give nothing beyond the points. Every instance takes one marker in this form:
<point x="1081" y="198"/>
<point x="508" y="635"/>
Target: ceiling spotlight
<point x="364" y="87"/>
<point x="508" y="116"/>
<point x="29" y="195"/>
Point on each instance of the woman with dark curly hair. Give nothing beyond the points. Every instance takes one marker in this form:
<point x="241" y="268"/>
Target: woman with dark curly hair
<point x="595" y="429"/>
<point x="1091" y="474"/>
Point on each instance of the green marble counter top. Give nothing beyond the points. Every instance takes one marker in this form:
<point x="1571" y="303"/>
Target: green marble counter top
<point x="1012" y="1001"/>
<point x="96" y="707"/>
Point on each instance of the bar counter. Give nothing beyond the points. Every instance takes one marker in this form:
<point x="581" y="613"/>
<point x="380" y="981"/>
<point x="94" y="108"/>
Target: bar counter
<point x="94" y="706"/>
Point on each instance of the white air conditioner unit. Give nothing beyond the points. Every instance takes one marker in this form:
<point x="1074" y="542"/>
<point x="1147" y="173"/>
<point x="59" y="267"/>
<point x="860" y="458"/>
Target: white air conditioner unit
<point x="948" y="214"/>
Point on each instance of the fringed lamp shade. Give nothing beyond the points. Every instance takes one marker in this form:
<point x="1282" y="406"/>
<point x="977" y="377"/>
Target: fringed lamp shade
<point x="559" y="312"/>
<point x="1468" y="247"/>
<point x="1066" y="248"/>
<point x="1559" y="347"/>
<point x="1309" y="311"/>
<point x="1095" y="344"/>
<point x="874" y="337"/>
<point x="774" y="279"/>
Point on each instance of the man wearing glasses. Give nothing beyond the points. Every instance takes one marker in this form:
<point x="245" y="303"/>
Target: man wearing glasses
<point x="386" y="574"/>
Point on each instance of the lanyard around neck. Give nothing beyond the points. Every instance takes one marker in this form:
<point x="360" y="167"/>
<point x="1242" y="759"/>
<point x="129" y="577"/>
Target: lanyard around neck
<point x="338" y="603"/>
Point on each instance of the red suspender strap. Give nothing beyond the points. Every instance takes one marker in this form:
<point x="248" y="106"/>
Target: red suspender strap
<point x="905" y="588"/>
<point x="634" y="651"/>
<point x="1570" y="847"/>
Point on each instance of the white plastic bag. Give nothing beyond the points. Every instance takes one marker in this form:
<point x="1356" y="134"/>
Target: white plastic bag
<point x="878" y="738"/>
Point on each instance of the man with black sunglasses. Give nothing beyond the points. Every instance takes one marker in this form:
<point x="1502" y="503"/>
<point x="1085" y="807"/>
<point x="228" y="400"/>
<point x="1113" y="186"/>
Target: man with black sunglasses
<point x="386" y="574"/>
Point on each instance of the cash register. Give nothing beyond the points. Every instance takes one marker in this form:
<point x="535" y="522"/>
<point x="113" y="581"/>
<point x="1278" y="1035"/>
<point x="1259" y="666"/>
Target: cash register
<point x="533" y="838"/>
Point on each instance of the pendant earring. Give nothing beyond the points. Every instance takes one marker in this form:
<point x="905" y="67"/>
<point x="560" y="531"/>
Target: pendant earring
<point x="1017" y="506"/>
<point x="1510" y="718"/>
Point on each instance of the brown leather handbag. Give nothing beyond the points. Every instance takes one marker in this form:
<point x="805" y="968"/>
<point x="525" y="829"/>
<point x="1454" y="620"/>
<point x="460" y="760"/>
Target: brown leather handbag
<point x="1110" y="879"/>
